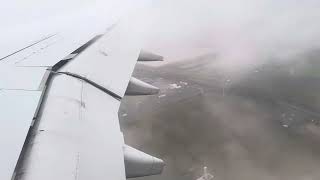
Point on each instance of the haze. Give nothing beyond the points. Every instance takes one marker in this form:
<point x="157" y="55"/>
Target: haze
<point x="238" y="90"/>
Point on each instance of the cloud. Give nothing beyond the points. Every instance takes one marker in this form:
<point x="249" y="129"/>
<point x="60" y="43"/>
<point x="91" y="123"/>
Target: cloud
<point x="244" y="33"/>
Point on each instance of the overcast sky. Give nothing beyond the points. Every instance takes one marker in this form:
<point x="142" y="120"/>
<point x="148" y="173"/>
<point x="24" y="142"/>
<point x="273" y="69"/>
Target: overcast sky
<point x="242" y="31"/>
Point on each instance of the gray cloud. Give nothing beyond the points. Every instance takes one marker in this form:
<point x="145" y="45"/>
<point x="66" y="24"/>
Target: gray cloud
<point x="244" y="33"/>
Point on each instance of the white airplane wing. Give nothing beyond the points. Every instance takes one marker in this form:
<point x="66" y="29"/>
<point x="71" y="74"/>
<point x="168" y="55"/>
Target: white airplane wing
<point x="60" y="90"/>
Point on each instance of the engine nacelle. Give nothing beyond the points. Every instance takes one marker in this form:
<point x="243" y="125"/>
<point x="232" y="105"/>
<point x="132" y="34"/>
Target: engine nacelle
<point x="138" y="87"/>
<point x="139" y="164"/>
<point x="148" y="56"/>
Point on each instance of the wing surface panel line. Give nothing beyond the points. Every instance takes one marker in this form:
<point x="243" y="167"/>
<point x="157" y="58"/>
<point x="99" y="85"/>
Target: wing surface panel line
<point x="37" y="42"/>
<point x="109" y="92"/>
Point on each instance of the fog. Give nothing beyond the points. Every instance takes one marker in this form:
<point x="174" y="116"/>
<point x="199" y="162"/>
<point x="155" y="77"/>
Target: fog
<point x="244" y="33"/>
<point x="246" y="106"/>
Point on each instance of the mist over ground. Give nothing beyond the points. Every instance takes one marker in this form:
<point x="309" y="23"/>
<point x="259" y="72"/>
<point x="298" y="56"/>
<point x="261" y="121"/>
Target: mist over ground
<point x="238" y="90"/>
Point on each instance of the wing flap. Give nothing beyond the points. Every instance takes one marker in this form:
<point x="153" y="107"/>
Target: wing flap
<point x="14" y="125"/>
<point x="78" y="135"/>
<point x="18" y="77"/>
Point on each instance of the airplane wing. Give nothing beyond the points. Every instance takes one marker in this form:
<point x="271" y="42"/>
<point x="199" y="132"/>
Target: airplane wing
<point x="60" y="91"/>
